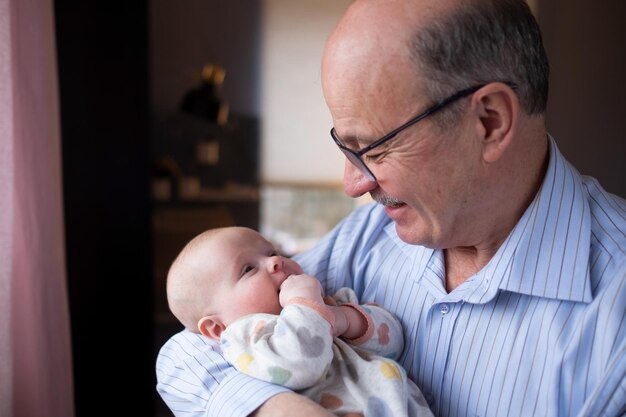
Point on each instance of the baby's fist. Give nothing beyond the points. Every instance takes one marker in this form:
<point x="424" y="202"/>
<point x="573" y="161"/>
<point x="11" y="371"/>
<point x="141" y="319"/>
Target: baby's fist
<point x="301" y="286"/>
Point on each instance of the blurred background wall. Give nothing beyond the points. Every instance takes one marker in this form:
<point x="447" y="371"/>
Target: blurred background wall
<point x="586" y="44"/>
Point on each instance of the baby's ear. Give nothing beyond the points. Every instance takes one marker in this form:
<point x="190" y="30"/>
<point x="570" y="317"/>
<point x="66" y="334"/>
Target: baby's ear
<point x="211" y="327"/>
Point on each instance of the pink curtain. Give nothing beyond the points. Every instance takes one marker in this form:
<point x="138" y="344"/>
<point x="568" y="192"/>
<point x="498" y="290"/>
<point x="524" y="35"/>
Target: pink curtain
<point x="35" y="350"/>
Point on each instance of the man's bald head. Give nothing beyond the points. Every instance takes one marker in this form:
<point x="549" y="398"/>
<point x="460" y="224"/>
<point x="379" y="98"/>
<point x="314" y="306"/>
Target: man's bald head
<point x="448" y="44"/>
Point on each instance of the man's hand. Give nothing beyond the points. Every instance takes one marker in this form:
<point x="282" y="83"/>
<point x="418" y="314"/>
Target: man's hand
<point x="302" y="286"/>
<point x="290" y="404"/>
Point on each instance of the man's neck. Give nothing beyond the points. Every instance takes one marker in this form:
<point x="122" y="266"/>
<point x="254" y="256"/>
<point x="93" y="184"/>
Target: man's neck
<point x="462" y="263"/>
<point x="519" y="180"/>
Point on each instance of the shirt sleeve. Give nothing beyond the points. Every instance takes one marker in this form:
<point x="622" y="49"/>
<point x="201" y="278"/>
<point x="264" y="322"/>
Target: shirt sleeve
<point x="194" y="379"/>
<point x="384" y="334"/>
<point x="293" y="349"/>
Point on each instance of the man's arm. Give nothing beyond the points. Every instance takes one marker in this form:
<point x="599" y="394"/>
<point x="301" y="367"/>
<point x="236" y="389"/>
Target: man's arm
<point x="195" y="380"/>
<point x="289" y="404"/>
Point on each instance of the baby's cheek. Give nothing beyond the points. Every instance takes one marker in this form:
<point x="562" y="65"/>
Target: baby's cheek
<point x="265" y="303"/>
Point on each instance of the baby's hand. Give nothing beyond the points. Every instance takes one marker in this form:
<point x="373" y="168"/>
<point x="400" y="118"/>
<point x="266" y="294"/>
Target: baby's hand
<point x="303" y="286"/>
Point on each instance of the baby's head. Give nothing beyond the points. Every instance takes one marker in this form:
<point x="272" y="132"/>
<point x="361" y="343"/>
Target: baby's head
<point x="224" y="274"/>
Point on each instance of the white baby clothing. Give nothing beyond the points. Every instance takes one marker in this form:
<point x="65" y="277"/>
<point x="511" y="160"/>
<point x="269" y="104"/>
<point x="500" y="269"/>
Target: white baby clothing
<point x="296" y="349"/>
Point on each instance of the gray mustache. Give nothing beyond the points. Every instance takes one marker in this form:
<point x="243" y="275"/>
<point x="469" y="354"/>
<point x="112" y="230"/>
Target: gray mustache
<point x="385" y="199"/>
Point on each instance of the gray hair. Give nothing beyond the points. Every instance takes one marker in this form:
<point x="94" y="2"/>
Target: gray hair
<point x="481" y="42"/>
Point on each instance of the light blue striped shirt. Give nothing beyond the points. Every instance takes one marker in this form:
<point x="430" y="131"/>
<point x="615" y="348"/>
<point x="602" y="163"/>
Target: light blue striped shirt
<point x="539" y="331"/>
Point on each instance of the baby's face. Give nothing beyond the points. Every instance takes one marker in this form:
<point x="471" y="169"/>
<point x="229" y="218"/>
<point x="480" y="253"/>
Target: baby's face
<point x="250" y="272"/>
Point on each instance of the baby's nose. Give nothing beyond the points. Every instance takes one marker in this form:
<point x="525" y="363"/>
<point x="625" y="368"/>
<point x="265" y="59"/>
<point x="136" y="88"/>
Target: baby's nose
<point x="275" y="264"/>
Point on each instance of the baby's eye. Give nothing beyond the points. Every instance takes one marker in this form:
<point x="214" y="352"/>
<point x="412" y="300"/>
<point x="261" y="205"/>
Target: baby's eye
<point x="246" y="269"/>
<point x="274" y="253"/>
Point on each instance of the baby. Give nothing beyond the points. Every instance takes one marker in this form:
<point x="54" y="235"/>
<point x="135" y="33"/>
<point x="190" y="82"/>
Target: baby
<point x="273" y="323"/>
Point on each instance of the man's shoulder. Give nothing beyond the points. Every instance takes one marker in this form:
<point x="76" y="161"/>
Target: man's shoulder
<point x="607" y="257"/>
<point x="608" y="217"/>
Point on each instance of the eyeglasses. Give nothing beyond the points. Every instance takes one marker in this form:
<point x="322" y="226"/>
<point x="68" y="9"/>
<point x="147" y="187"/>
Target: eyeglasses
<point x="356" y="157"/>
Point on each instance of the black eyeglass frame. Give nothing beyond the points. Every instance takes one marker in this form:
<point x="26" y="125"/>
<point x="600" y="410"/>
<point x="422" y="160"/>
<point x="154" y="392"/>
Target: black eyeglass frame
<point x="355" y="157"/>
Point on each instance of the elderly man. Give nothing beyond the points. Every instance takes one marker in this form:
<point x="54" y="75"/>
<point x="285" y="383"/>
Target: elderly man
<point x="505" y="266"/>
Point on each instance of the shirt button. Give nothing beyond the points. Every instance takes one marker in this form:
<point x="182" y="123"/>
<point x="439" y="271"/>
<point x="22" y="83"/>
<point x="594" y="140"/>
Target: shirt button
<point x="444" y="308"/>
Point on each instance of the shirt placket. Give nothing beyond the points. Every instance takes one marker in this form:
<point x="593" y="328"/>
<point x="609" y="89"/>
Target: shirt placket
<point x="440" y="327"/>
<point x="443" y="317"/>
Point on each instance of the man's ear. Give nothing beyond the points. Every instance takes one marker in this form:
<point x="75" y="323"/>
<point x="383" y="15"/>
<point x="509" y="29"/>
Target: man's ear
<point x="497" y="106"/>
<point x="211" y="327"/>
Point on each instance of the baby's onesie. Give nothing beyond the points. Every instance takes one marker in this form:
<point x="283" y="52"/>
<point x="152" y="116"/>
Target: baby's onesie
<point x="296" y="349"/>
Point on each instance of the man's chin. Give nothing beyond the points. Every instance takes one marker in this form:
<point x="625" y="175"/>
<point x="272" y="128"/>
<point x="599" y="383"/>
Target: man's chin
<point x="408" y="235"/>
<point x="408" y="227"/>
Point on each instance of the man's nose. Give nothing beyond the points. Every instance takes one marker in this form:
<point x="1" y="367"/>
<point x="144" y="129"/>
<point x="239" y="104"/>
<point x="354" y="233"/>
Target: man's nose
<point x="355" y="183"/>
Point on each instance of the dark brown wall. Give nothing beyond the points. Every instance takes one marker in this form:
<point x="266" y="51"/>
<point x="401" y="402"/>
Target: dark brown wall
<point x="586" y="43"/>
